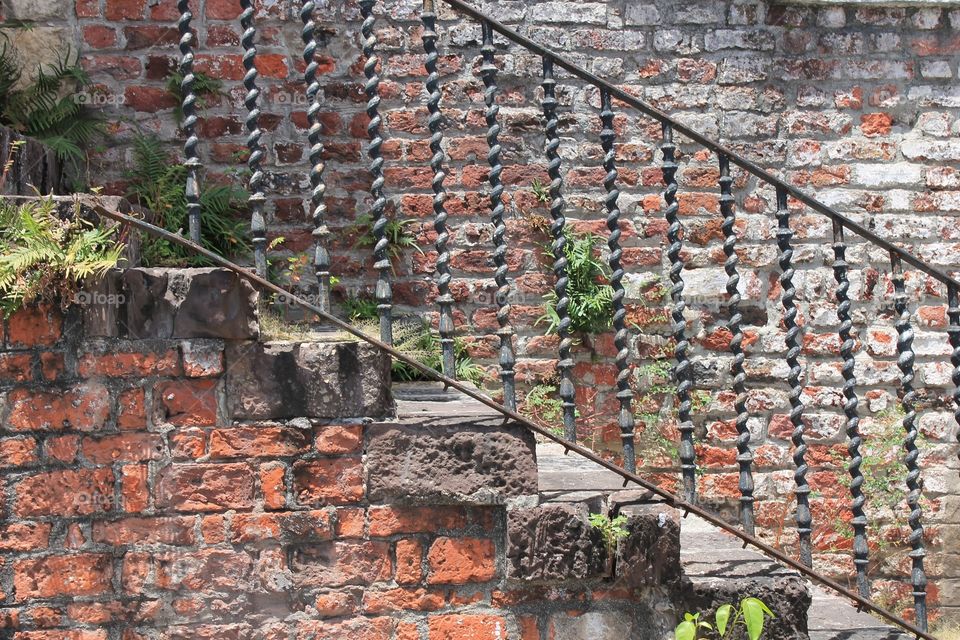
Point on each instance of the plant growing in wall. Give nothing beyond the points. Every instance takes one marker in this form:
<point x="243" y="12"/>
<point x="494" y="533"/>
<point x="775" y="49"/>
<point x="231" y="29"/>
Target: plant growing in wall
<point x="45" y="255"/>
<point x="53" y="108"/>
<point x="158" y="183"/>
<point x="752" y="614"/>
<point x="204" y="87"/>
<point x="591" y="302"/>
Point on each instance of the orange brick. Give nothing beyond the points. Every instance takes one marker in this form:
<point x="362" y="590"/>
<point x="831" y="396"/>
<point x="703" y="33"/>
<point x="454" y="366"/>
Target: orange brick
<point x="258" y="441"/>
<point x="351" y="522"/>
<point x="130" y="363"/>
<point x="133" y="488"/>
<point x="273" y="485"/>
<point x="466" y="627"/>
<point x="18" y="452"/>
<point x="461" y="561"/>
<point x="393" y="600"/>
<point x="388" y="521"/>
<point x="131" y="411"/>
<point x="186" y="402"/>
<point x="329" y="481"/>
<point x="65" y="493"/>
<point x="409" y="559"/>
<point x="128" y="447"/>
<point x="24" y="536"/>
<point x="34" y="325"/>
<point x="84" y="407"/>
<point x="336" y="439"/>
<point x="75" y="575"/>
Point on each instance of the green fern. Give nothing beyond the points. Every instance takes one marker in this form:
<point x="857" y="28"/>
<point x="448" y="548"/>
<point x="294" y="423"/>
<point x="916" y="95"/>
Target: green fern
<point x="591" y="303"/>
<point x="48" y="109"/>
<point x="204" y="86"/>
<point x="43" y="255"/>
<point x="158" y="183"/>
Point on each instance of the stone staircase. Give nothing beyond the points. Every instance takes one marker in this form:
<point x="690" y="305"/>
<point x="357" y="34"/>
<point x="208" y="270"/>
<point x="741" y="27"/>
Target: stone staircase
<point x="715" y="566"/>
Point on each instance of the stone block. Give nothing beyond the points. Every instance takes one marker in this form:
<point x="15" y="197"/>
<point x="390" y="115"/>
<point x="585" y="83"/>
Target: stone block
<point x="189" y="303"/>
<point x="650" y="553"/>
<point x="283" y="380"/>
<point x="553" y="542"/>
<point x="450" y="461"/>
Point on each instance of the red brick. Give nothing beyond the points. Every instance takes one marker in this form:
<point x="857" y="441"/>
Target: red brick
<point x="76" y="575"/>
<point x="148" y="99"/>
<point x="190" y="443"/>
<point x="351" y="522"/>
<point x="129" y="447"/>
<point x="388" y="521"/>
<point x="186" y="403"/>
<point x="52" y="366"/>
<point x="273" y="485"/>
<point x="18" y="452"/>
<point x="330" y="481"/>
<point x="204" y="570"/>
<point x="15" y="367"/>
<point x="205" y="487"/>
<point x="65" y="493"/>
<point x="177" y="531"/>
<point x="99" y="36"/>
<point x="876" y="124"/>
<point x="152" y="37"/>
<point x="62" y="448"/>
<point x="296" y="525"/>
<point x="272" y="65"/>
<point x="214" y="529"/>
<point x="134" y="493"/>
<point x="131" y="411"/>
<point x="461" y="561"/>
<point x="337" y="439"/>
<point x="409" y="558"/>
<point x="84" y="407"/>
<point x="34" y="325"/>
<point x="258" y="441"/>
<point x="24" y="536"/>
<point x="88" y="9"/>
<point x="335" y="604"/>
<point x="222" y="9"/>
<point x="124" y="9"/>
<point x="394" y="600"/>
<point x="130" y="363"/>
<point x="466" y="627"/>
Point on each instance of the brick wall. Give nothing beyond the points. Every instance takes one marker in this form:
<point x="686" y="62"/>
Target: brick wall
<point x="858" y="106"/>
<point x="136" y="507"/>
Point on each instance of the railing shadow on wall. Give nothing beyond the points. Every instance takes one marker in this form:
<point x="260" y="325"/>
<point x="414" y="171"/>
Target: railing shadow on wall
<point x="789" y="201"/>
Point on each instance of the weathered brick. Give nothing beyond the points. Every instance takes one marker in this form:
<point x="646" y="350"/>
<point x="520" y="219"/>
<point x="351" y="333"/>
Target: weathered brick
<point x="258" y="441"/>
<point x="328" y="481"/>
<point x="34" y="325"/>
<point x="185" y="403"/>
<point x="205" y="487"/>
<point x="466" y="626"/>
<point x="461" y="561"/>
<point x="65" y="493"/>
<point x="52" y="576"/>
<point x="178" y="531"/>
<point x="130" y="364"/>
<point x="130" y="447"/>
<point x="84" y="407"/>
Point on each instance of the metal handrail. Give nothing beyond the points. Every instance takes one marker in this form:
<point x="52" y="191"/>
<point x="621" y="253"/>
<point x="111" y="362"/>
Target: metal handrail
<point x="702" y="140"/>
<point x="511" y="415"/>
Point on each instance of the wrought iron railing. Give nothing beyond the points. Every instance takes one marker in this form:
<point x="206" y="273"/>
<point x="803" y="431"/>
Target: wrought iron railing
<point x="683" y="367"/>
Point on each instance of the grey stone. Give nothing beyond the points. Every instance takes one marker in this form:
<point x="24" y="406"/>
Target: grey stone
<point x="650" y="553"/>
<point x="189" y="303"/>
<point x="786" y="595"/>
<point x="433" y="460"/>
<point x="37" y="9"/>
<point x="38" y="46"/>
<point x="596" y="625"/>
<point x="641" y="14"/>
<point x="281" y="380"/>
<point x="553" y="543"/>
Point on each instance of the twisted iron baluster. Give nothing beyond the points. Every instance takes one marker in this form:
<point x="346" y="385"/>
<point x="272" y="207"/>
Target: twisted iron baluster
<point x="558" y="229"/>
<point x="682" y="371"/>
<point x="624" y="393"/>
<point x="851" y="402"/>
<point x="445" y="300"/>
<point x="488" y="72"/>
<point x="384" y="293"/>
<point x="744" y="454"/>
<point x="191" y="157"/>
<point x="258" y="227"/>
<point x="905" y="357"/>
<point x="321" y="257"/>
<point x="804" y="518"/>
<point x="953" y="311"/>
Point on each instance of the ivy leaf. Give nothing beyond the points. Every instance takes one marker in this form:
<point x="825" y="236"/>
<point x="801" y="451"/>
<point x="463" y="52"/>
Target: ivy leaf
<point x="723" y="617"/>
<point x="753" y="615"/>
<point x="686" y="630"/>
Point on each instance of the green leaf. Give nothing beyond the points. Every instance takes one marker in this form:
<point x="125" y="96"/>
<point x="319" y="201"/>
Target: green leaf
<point x="753" y="616"/>
<point x="686" y="630"/>
<point x="723" y="617"/>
